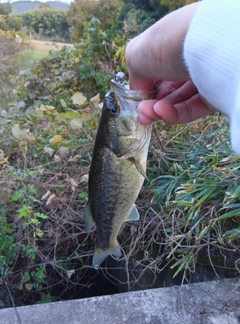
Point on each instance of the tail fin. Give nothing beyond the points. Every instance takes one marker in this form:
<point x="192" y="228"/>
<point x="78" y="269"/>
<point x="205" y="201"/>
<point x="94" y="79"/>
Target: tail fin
<point x="100" y="255"/>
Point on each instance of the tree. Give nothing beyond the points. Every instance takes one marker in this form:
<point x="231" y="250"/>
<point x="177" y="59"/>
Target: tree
<point x="81" y="11"/>
<point x="45" y="5"/>
<point x="137" y="15"/>
<point x="5" y="9"/>
<point x="175" y="4"/>
<point x="48" y="22"/>
<point x="9" y="50"/>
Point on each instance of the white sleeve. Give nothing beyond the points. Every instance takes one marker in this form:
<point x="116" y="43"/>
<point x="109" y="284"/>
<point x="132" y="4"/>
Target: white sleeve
<point x="212" y="56"/>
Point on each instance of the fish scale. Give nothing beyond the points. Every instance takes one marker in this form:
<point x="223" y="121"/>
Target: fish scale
<point x="117" y="170"/>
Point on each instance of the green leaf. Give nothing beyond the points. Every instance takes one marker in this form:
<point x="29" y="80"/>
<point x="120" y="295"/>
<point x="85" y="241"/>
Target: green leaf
<point x="205" y="194"/>
<point x="230" y="214"/>
<point x="17" y="132"/>
<point x="184" y="203"/>
<point x="41" y="215"/>
<point x="63" y="103"/>
<point x="205" y="231"/>
<point x="233" y="234"/>
<point x="72" y="115"/>
<point x="61" y="116"/>
<point x="29" y="286"/>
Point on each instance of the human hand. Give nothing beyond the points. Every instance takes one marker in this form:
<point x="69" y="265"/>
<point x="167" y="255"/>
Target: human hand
<point x="175" y="103"/>
<point x="156" y="55"/>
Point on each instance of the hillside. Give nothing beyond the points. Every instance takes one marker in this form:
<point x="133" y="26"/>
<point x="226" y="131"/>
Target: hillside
<point x="20" y="7"/>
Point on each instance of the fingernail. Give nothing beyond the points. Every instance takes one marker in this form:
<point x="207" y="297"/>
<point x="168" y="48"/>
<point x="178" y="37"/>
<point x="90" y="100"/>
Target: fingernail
<point x="156" y="110"/>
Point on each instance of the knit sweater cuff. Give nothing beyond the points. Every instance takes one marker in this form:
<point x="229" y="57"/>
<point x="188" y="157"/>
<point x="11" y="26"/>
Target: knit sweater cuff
<point x="212" y="56"/>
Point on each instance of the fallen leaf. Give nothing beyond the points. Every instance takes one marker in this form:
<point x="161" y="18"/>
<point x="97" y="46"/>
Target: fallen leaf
<point x="70" y="273"/>
<point x="76" y="123"/>
<point x="63" y="103"/>
<point x="42" y="108"/>
<point x="56" y="140"/>
<point x="72" y="114"/>
<point x="50" y="199"/>
<point x="95" y="99"/>
<point x="73" y="182"/>
<point x="74" y="158"/>
<point x="41" y="170"/>
<point x="27" y="135"/>
<point x="16" y="131"/>
<point x="61" y="116"/>
<point x="63" y="152"/>
<point x="78" y="98"/>
<point x="23" y="146"/>
<point x="48" y="150"/>
<point x="22" y="134"/>
<point x="29" y="286"/>
<point x="4" y="113"/>
<point x="38" y="113"/>
<point x="46" y="195"/>
<point x="84" y="178"/>
<point x="50" y="107"/>
<point x="1" y="155"/>
<point x="86" y="115"/>
<point x="57" y="157"/>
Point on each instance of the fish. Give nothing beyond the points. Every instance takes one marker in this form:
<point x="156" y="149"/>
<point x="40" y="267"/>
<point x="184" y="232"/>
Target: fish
<point x="118" y="168"/>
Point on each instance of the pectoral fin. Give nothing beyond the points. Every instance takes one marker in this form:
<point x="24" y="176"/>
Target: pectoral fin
<point x="134" y="215"/>
<point x="100" y="255"/>
<point x="89" y="222"/>
<point x="139" y="167"/>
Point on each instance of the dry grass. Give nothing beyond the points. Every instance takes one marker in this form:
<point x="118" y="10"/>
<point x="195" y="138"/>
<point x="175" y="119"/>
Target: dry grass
<point x="48" y="45"/>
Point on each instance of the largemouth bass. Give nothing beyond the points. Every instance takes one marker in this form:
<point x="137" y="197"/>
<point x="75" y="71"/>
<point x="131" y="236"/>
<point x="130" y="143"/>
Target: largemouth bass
<point x="118" y="167"/>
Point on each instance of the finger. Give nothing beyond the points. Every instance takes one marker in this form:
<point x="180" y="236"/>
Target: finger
<point x="180" y="92"/>
<point x="152" y="110"/>
<point x="183" y="112"/>
<point x="145" y="120"/>
<point x="168" y="87"/>
<point x="146" y="113"/>
<point x="137" y="82"/>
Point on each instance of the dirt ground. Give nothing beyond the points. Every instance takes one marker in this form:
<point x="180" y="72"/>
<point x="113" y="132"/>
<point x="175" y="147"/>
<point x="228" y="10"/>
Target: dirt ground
<point x="46" y="46"/>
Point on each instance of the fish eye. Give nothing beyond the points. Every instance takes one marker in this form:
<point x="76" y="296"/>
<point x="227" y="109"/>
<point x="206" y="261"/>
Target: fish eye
<point x="113" y="110"/>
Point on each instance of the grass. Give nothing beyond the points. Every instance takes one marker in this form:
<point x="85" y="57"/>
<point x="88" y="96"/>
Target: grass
<point x="38" y="55"/>
<point x="28" y="57"/>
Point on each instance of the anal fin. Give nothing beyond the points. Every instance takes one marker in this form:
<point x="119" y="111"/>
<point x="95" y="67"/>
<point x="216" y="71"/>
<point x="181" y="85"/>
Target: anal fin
<point x="134" y="214"/>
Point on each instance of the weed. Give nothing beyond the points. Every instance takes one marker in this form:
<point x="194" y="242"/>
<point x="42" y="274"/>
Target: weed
<point x="202" y="190"/>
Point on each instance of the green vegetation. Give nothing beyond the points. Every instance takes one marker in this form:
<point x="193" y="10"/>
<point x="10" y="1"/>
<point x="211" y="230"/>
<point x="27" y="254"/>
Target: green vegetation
<point x="189" y="210"/>
<point x="38" y="55"/>
<point x="82" y="11"/>
<point x="175" y="4"/>
<point x="7" y="21"/>
<point x="46" y="23"/>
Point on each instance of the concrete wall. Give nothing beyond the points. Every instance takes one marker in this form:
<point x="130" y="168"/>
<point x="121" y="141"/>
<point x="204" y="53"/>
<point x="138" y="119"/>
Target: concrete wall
<point x="216" y="302"/>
